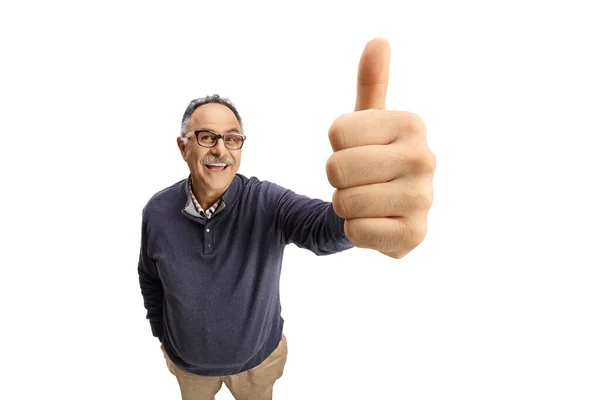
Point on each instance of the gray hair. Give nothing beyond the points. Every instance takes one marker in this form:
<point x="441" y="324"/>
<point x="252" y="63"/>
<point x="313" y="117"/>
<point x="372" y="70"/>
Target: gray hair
<point x="194" y="104"/>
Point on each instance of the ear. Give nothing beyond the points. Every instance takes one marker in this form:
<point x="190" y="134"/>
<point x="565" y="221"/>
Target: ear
<point x="181" y="143"/>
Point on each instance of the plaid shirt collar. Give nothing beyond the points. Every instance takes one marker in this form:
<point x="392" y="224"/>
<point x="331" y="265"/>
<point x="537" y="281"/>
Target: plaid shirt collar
<point x="218" y="206"/>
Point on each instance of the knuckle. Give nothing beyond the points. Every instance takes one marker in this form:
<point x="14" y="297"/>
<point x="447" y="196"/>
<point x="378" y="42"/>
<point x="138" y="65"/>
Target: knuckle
<point x="414" y="123"/>
<point x="423" y="162"/>
<point x="432" y="162"/>
<point x="428" y="196"/>
<point x="417" y="232"/>
<point x="429" y="162"/>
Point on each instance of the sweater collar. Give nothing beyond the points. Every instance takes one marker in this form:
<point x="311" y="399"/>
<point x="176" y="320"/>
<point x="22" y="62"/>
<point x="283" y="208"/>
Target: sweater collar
<point x="229" y="198"/>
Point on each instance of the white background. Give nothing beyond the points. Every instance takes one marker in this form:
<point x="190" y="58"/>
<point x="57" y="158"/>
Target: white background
<point x="502" y="299"/>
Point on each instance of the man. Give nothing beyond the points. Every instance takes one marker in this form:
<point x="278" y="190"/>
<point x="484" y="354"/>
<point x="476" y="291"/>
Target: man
<point x="212" y="244"/>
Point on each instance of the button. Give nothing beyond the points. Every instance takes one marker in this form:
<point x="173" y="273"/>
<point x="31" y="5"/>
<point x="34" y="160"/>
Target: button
<point x="209" y="246"/>
<point x="207" y="230"/>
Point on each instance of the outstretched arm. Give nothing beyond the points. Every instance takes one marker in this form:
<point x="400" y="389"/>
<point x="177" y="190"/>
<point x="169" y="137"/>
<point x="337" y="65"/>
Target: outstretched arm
<point x="310" y="223"/>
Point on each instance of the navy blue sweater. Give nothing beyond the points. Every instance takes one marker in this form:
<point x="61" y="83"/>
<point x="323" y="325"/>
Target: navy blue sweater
<point x="211" y="286"/>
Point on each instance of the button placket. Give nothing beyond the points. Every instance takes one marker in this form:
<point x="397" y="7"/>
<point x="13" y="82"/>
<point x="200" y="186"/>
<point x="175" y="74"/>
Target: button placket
<point x="208" y="241"/>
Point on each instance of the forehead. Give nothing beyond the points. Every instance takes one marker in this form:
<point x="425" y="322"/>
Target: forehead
<point x="213" y="116"/>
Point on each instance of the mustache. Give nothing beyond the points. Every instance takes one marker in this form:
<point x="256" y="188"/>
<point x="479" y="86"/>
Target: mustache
<point x="210" y="159"/>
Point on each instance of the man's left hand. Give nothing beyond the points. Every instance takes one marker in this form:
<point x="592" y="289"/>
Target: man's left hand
<point x="382" y="167"/>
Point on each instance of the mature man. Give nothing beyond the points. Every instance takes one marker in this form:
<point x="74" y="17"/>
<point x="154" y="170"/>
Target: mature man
<point x="212" y="244"/>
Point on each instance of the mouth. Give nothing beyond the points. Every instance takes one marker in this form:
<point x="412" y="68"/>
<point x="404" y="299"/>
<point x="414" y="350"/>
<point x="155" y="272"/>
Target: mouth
<point x="217" y="167"/>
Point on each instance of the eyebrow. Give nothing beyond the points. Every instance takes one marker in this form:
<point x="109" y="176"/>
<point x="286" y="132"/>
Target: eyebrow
<point x="230" y="130"/>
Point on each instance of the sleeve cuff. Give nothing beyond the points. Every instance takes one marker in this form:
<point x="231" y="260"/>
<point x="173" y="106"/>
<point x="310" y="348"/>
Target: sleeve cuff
<point x="157" y="329"/>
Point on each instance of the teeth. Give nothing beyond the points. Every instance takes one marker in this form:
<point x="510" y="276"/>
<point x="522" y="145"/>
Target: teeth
<point x="217" y="165"/>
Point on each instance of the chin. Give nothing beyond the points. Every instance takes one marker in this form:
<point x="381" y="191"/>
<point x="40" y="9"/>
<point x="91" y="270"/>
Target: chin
<point x="218" y="179"/>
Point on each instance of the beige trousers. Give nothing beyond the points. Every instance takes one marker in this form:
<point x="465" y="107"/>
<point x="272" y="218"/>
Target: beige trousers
<point x="253" y="384"/>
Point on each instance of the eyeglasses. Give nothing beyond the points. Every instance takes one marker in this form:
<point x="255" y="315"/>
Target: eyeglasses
<point x="209" y="139"/>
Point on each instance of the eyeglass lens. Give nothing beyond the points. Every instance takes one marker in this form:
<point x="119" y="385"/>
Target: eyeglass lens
<point x="231" y="141"/>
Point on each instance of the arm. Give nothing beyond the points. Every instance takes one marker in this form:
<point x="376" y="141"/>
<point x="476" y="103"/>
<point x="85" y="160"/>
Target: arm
<point x="151" y="286"/>
<point x="310" y="223"/>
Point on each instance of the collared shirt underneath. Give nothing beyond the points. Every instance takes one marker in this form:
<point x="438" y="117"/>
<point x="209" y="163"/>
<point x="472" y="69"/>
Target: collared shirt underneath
<point x="203" y="214"/>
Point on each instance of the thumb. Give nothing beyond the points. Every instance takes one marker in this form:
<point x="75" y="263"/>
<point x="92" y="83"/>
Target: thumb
<point x="373" y="74"/>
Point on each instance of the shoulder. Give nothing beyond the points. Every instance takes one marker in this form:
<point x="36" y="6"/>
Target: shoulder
<point x="165" y="199"/>
<point x="265" y="188"/>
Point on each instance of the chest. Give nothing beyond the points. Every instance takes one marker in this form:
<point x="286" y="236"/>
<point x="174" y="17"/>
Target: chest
<point x="216" y="252"/>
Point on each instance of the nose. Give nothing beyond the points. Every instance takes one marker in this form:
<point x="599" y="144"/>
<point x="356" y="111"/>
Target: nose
<point x="219" y="147"/>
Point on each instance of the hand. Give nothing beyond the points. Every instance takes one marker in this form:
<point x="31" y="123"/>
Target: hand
<point x="382" y="167"/>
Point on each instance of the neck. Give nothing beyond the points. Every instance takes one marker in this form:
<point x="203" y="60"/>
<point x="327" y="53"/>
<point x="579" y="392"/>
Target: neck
<point x="205" y="197"/>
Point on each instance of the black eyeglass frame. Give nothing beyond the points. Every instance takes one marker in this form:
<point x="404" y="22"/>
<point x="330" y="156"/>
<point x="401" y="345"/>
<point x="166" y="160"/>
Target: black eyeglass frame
<point x="219" y="136"/>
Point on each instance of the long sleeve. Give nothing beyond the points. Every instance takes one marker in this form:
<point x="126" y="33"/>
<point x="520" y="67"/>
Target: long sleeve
<point x="310" y="223"/>
<point x="151" y="286"/>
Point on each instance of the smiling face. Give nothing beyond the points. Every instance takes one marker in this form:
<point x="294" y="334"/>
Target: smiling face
<point x="209" y="177"/>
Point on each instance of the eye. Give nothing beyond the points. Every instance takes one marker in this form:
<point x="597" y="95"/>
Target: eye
<point x="234" y="138"/>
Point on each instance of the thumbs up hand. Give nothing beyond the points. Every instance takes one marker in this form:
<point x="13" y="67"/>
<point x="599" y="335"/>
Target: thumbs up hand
<point x="381" y="166"/>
